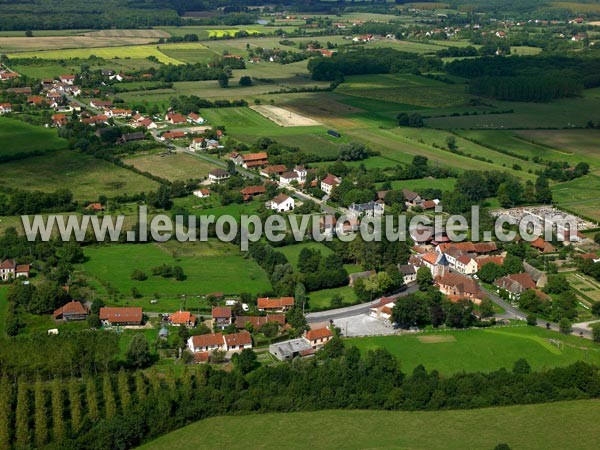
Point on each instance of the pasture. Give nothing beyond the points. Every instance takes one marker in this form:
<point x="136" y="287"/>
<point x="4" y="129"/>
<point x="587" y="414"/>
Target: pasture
<point x="207" y="265"/>
<point x="131" y="51"/>
<point x="87" y="177"/>
<point x="524" y="427"/>
<point x="483" y="350"/>
<point x="188" y="52"/>
<point x="20" y="137"/>
<point x="180" y="166"/>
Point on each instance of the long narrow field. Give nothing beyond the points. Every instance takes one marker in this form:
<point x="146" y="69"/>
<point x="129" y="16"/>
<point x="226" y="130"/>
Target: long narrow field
<point x="22" y="46"/>
<point x="207" y="265"/>
<point x="482" y="350"/>
<point x="528" y="427"/>
<point x="87" y="177"/>
<point x="131" y="51"/>
<point x="19" y="137"/>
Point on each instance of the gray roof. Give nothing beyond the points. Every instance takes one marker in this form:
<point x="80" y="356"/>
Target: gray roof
<point x="407" y="269"/>
<point x="288" y="348"/>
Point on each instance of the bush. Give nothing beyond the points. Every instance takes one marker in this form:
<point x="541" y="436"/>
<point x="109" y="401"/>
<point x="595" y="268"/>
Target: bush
<point x="138" y="275"/>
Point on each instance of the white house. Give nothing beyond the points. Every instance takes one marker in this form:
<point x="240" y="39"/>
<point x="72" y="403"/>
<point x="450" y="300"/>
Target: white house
<point x="5" y="108"/>
<point x="282" y="203"/>
<point x="218" y="175"/>
<point x="287" y="178"/>
<point x="67" y="79"/>
<point x="206" y="343"/>
<point x="467" y="265"/>
<point x="329" y="182"/>
<point x="202" y="193"/>
<point x="409" y="273"/>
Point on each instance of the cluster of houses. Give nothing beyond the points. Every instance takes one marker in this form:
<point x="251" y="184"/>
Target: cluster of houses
<point x="10" y="270"/>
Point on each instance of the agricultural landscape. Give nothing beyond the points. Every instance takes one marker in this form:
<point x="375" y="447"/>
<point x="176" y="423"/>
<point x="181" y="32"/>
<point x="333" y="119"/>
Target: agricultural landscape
<point x="336" y="111"/>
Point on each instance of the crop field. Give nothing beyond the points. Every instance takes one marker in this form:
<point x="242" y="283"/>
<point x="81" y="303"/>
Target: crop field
<point x="19" y="137"/>
<point x="579" y="196"/>
<point x="585" y="285"/>
<point x="207" y="265"/>
<point x="131" y="51"/>
<point x="25" y="47"/>
<point x="483" y="350"/>
<point x="524" y="427"/>
<point x="405" y="89"/>
<point x="87" y="177"/>
<point x="521" y="143"/>
<point x="577" y="145"/>
<point x="188" y="52"/>
<point x="180" y="166"/>
<point x="142" y="33"/>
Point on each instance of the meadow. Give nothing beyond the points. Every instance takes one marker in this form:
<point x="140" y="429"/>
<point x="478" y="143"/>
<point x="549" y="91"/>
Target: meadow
<point x="526" y="427"/>
<point x="482" y="350"/>
<point x="180" y="166"/>
<point x="20" y="137"/>
<point x="87" y="177"/>
<point x="444" y="184"/>
<point x="320" y="300"/>
<point x="19" y="46"/>
<point x="207" y="265"/>
<point x="292" y="252"/>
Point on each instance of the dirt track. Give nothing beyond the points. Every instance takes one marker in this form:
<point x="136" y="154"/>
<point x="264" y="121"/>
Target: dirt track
<point x="284" y="117"/>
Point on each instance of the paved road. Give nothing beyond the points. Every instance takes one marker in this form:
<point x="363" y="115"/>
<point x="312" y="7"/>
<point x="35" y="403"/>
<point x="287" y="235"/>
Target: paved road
<point x="514" y="313"/>
<point x="355" y="310"/>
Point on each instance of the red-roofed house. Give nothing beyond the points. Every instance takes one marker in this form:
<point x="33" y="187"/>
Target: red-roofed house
<point x="202" y="193"/>
<point x="319" y="337"/>
<point x="543" y="246"/>
<point x="175" y="118"/>
<point x="458" y="286"/>
<point x="206" y="343"/>
<point x="275" y="304"/>
<point x="183" y="318"/>
<point x="329" y="182"/>
<point x="275" y="170"/>
<point x="221" y="316"/>
<point x="112" y="316"/>
<point x="10" y="270"/>
<point x="5" y="108"/>
<point x="251" y="191"/>
<point x="238" y="342"/>
<point x="59" y="120"/>
<point x="67" y="79"/>
<point x="258" y="321"/>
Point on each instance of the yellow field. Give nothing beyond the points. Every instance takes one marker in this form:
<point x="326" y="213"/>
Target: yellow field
<point x="132" y="51"/>
<point x="221" y="33"/>
<point x="129" y="33"/>
<point x="43" y="43"/>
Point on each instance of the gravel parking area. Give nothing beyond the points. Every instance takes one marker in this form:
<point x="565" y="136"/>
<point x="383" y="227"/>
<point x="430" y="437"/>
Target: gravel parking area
<point x="363" y="325"/>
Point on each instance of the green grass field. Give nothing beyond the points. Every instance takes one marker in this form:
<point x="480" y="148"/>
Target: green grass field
<point x="20" y="137"/>
<point x="208" y="265"/>
<point x="87" y="177"/>
<point x="319" y="300"/>
<point x="292" y="252"/>
<point x="188" y="52"/>
<point x="180" y="166"/>
<point x="482" y="350"/>
<point x="524" y="427"/>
